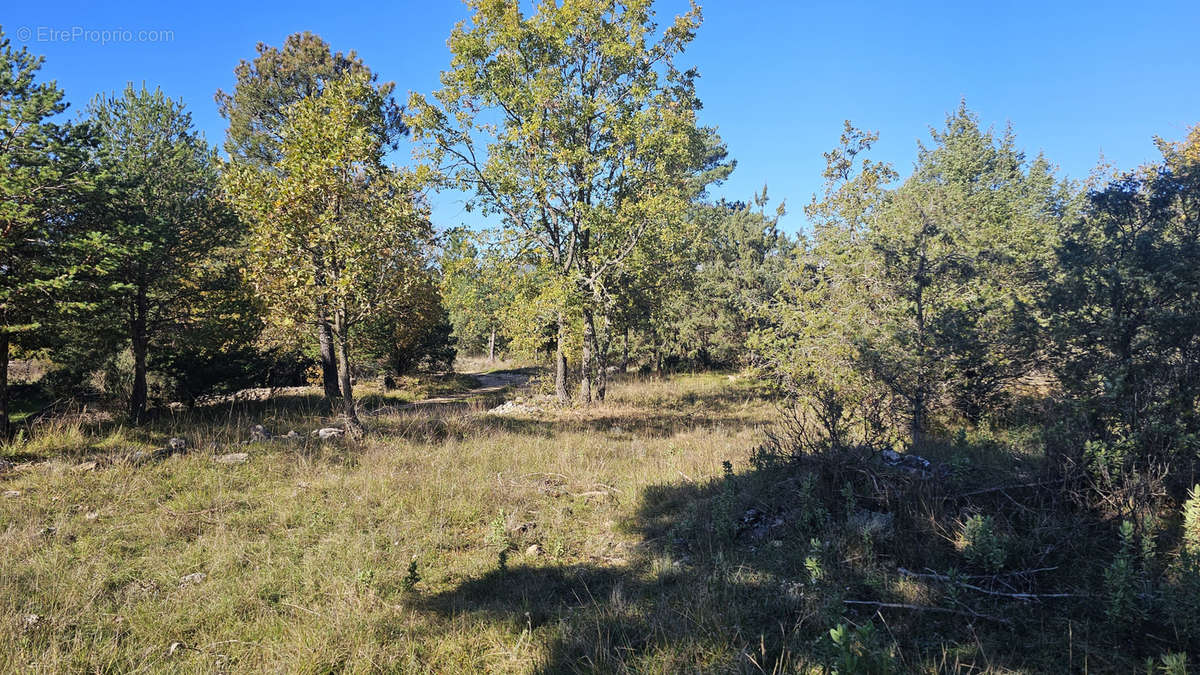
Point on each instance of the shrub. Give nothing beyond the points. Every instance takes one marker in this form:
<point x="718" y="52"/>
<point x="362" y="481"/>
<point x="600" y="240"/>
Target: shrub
<point x="981" y="544"/>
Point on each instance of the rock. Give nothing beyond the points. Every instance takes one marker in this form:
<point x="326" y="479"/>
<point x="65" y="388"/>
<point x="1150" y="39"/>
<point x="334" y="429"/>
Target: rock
<point x="86" y="466"/>
<point x="328" y="433"/>
<point x="757" y="523"/>
<point x="914" y="464"/>
<point x="92" y="515"/>
<point x="32" y="620"/>
<point x="514" y="408"/>
<point x="616" y="430"/>
<point x="175" y="646"/>
<point x="192" y="579"/>
<point x="259" y="433"/>
<point x="6" y="466"/>
<point x="142" y="457"/>
<point x="533" y="551"/>
<point x="292" y="436"/>
<point x="176" y="446"/>
<point x="232" y="458"/>
<point x="12" y="493"/>
<point x="872" y="523"/>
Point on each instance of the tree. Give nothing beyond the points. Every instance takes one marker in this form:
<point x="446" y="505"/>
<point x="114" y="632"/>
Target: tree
<point x="594" y="143"/>
<point x="1125" y="312"/>
<point x="44" y="250"/>
<point x="256" y="110"/>
<point x="416" y="335"/>
<point x="923" y="297"/>
<point x="176" y="287"/>
<point x="476" y="286"/>
<point x="332" y="227"/>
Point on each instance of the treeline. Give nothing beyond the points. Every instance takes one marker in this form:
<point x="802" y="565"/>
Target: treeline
<point x="981" y="282"/>
<point x="143" y="265"/>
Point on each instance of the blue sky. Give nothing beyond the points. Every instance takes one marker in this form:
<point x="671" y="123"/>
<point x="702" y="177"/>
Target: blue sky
<point x="1076" y="79"/>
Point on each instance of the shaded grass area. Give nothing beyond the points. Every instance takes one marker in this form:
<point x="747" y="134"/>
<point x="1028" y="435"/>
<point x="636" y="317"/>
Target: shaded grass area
<point x="641" y="535"/>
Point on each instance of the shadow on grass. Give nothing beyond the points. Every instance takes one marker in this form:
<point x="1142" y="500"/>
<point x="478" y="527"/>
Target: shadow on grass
<point x="748" y="573"/>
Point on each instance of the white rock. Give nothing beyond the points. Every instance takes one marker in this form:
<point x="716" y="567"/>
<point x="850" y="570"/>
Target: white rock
<point x="232" y="458"/>
<point x="193" y="578"/>
<point x="328" y="433"/>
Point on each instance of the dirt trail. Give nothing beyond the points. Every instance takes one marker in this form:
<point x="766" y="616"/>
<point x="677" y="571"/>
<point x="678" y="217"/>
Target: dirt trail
<point x="489" y="383"/>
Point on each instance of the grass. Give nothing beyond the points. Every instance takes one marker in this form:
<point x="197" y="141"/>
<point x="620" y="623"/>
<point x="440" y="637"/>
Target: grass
<point x="644" y="534"/>
<point x="305" y="548"/>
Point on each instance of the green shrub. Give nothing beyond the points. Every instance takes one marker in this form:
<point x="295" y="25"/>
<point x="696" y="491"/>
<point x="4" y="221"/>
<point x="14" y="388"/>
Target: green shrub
<point x="982" y="545"/>
<point x="860" y="651"/>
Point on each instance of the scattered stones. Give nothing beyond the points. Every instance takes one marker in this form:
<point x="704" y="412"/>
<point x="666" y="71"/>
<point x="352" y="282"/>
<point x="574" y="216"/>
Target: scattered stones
<point x="914" y="464"/>
<point x="328" y="433"/>
<point x="259" y="433"/>
<point x="192" y="579"/>
<point x="232" y="458"/>
<point x="32" y="620"/>
<point x="12" y="493"/>
<point x="533" y="551"/>
<point x="514" y="408"/>
<point x="6" y="466"/>
<point x="175" y="446"/>
<point x="758" y="524"/>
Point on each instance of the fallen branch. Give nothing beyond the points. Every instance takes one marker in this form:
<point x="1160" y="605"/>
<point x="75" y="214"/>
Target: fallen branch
<point x="1005" y="487"/>
<point x="925" y="608"/>
<point x="1018" y="596"/>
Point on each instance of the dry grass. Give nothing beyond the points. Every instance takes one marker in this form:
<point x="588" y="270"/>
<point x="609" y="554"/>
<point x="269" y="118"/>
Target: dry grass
<point x="305" y="548"/>
<point x="612" y="538"/>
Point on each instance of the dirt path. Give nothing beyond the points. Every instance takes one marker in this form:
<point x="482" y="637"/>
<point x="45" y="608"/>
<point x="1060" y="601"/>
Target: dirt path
<point x="489" y="383"/>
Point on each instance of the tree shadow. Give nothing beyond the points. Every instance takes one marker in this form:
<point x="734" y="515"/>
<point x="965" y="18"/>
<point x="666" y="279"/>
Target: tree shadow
<point x="749" y="572"/>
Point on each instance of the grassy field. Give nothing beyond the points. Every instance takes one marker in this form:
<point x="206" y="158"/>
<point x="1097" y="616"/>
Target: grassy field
<point x="307" y="556"/>
<point x="650" y="533"/>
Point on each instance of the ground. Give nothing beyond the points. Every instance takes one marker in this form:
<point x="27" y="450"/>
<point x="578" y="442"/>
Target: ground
<point x="481" y="527"/>
<point x="450" y="540"/>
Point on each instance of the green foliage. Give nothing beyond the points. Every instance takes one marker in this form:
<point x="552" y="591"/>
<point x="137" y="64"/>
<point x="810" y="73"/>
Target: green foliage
<point x="1123" y="582"/>
<point x="46" y="253"/>
<point x="414" y="336"/>
<point x="921" y="298"/>
<point x="412" y="577"/>
<point x="591" y="140"/>
<point x="332" y="228"/>
<point x="178" y="300"/>
<point x="1124" y="314"/>
<point x="982" y="545"/>
<point x="477" y="287"/>
<point x="859" y="650"/>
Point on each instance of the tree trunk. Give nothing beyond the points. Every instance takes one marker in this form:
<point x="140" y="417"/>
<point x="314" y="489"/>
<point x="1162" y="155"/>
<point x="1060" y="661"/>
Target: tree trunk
<point x="5" y="429"/>
<point x="600" y="351"/>
<point x="349" y="410"/>
<point x="329" y="367"/>
<point x="492" y="347"/>
<point x="329" y="364"/>
<point x="560" y="364"/>
<point x="138" y="344"/>
<point x="625" y="352"/>
<point x="585" y="359"/>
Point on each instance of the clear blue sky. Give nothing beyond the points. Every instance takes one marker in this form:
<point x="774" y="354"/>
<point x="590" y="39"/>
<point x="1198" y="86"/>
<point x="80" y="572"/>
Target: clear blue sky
<point x="1075" y="78"/>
